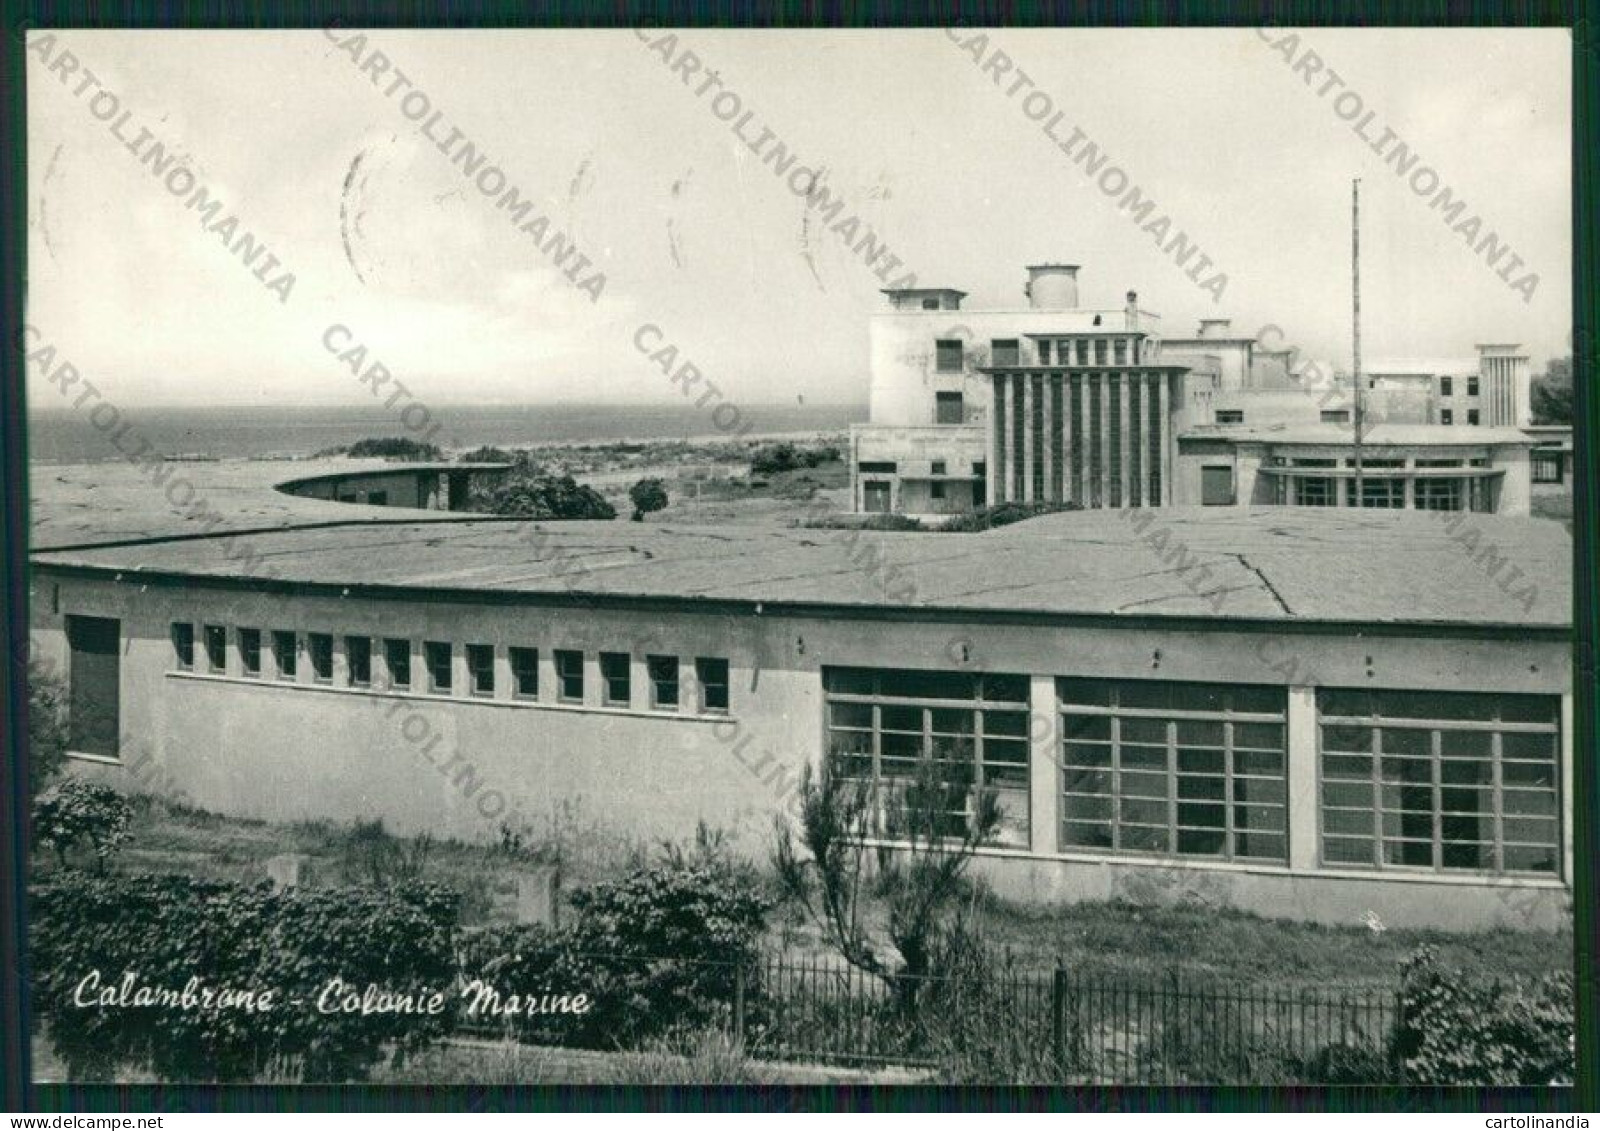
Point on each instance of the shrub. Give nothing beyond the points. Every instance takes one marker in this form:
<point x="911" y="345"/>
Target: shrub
<point x="77" y="813"/>
<point x="647" y="495"/>
<point x="47" y="725"/>
<point x="770" y="459"/>
<point x="167" y="930"/>
<point x="487" y="454"/>
<point x="526" y="492"/>
<point x="674" y="935"/>
<point x="1454" y="1030"/>
<point x="395" y="447"/>
<point x="658" y="949"/>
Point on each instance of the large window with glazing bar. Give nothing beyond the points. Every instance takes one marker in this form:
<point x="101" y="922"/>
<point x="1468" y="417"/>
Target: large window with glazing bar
<point x="885" y="725"/>
<point x="1441" y="781"/>
<point x="1191" y="769"/>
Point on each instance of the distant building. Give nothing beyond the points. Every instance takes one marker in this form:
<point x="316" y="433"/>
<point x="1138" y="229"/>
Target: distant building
<point x="1055" y="403"/>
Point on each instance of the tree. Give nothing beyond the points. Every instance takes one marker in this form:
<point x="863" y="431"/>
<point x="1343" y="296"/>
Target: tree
<point x="527" y="492"/>
<point x="47" y="725"/>
<point x="926" y="829"/>
<point x="647" y="495"/>
<point x="1552" y="393"/>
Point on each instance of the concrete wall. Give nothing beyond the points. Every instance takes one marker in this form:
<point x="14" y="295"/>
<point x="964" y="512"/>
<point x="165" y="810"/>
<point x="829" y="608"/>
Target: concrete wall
<point x="460" y="766"/>
<point x="905" y="376"/>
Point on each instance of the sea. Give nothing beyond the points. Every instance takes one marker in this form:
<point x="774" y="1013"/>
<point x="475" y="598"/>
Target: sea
<point x="65" y="436"/>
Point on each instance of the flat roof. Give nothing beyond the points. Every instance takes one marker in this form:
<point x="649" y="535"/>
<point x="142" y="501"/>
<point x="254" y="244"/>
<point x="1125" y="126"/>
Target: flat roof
<point x="1275" y="564"/>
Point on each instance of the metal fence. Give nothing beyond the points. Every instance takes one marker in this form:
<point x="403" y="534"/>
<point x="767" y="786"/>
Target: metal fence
<point x="1000" y="1025"/>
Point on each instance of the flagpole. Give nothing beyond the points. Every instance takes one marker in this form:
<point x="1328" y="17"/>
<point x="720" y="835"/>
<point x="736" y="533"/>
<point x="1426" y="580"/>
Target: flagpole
<point x="1355" y="301"/>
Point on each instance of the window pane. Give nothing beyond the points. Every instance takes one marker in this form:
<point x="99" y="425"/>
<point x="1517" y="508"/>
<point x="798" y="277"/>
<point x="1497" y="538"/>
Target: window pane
<point x="1257" y="762"/>
<point x="1085" y="692"/>
<point x="1088" y="726"/>
<point x="1356" y="739"/>
<point x="1088" y="754"/>
<point x="1466" y="743"/>
<point x="1144" y="758"/>
<point x="1402" y="741"/>
<point x="1528" y="746"/>
<point x="1347" y="821"/>
<point x="1350" y="767"/>
<point x="1202" y="843"/>
<point x="1145" y="730"/>
<point x="1082" y="835"/>
<point x="1193" y="733"/>
<point x="1259" y="736"/>
<point x="1009" y="723"/>
<point x="1202" y="761"/>
<point x="1347" y="850"/>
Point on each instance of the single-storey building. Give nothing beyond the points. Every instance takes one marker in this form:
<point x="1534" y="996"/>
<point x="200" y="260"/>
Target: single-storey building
<point x="1299" y="712"/>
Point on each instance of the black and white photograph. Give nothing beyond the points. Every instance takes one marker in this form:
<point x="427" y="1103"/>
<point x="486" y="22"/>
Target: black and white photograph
<point x="902" y="557"/>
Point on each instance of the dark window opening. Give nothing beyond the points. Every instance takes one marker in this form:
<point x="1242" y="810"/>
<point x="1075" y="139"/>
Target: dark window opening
<point x="183" y="644"/>
<point x="438" y="656"/>
<point x="284" y="653"/>
<point x="712" y="675"/>
<point x="948" y="408"/>
<point x="250" y="651"/>
<point x="358" y="660"/>
<point x="480" y="669"/>
<point x="616" y="678"/>
<point x="525" y="672"/>
<point x="397" y="658"/>
<point x="663" y="681"/>
<point x="569" y="676"/>
<point x="949" y="356"/>
<point x="216" y="638"/>
<point x="320" y="645"/>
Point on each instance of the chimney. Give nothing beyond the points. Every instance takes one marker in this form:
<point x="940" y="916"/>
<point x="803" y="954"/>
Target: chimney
<point x="1215" y="327"/>
<point x="1132" y="310"/>
<point x="1052" y="286"/>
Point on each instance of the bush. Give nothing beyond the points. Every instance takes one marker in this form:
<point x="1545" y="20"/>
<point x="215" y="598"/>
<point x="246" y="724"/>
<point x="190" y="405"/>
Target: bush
<point x="168" y="930"/>
<point x="647" y="495"/>
<point x="1454" y="1030"/>
<point x="656" y="950"/>
<point x="771" y="459"/>
<point x="47" y="725"/>
<point x="76" y="813"/>
<point x="525" y="492"/>
<point x="395" y="447"/>
<point x="487" y="454"/>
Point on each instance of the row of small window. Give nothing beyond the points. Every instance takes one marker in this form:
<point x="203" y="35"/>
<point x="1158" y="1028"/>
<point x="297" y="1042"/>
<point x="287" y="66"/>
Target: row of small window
<point x="950" y="353"/>
<point x="1448" y="416"/>
<point x="438" y="662"/>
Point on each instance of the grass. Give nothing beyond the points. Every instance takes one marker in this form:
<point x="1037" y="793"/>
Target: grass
<point x="167" y="836"/>
<point x="1220" y="944"/>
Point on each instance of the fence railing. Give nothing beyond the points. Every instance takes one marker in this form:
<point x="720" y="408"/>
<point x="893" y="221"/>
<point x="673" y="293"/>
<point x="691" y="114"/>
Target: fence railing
<point x="1002" y="1025"/>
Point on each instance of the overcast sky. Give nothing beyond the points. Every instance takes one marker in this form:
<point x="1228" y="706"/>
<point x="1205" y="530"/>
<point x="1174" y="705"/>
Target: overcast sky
<point x="695" y="235"/>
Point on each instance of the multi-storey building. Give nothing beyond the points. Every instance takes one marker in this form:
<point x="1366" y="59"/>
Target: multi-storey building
<point x="1061" y="404"/>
